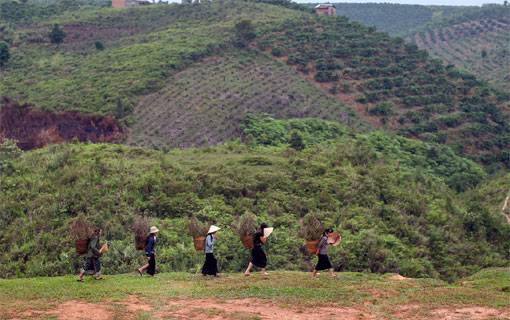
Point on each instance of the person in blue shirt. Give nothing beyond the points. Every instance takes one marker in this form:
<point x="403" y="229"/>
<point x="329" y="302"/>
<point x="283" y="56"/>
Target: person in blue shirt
<point x="211" y="264"/>
<point x="322" y="252"/>
<point x="150" y="253"/>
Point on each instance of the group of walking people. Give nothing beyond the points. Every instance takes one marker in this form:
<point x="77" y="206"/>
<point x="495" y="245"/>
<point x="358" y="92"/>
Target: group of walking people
<point x="210" y="267"/>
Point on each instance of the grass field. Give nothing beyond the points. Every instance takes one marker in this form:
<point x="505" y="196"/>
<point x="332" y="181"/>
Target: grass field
<point x="282" y="294"/>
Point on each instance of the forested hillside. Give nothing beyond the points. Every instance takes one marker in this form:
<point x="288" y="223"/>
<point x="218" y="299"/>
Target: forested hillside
<point x="475" y="41"/>
<point x="394" y="201"/>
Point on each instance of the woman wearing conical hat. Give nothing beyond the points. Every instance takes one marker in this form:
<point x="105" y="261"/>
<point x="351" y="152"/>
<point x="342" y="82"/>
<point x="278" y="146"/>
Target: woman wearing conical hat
<point x="258" y="257"/>
<point x="150" y="253"/>
<point x="211" y="264"/>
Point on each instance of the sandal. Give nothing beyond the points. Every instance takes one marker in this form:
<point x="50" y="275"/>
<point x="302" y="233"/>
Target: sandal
<point x="265" y="274"/>
<point x="80" y="280"/>
<point x="100" y="278"/>
<point x="247" y="274"/>
<point x="140" y="272"/>
<point x="334" y="277"/>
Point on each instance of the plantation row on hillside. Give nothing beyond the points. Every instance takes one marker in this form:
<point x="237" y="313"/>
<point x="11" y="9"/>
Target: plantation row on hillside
<point x="394" y="216"/>
<point x="396" y="84"/>
<point x="478" y="45"/>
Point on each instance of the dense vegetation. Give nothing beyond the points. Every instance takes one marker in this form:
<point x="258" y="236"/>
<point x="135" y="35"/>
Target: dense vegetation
<point x="395" y="84"/>
<point x="394" y="216"/>
<point x="476" y="41"/>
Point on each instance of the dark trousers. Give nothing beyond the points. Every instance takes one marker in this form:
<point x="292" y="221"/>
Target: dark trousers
<point x="152" y="265"/>
<point x="92" y="267"/>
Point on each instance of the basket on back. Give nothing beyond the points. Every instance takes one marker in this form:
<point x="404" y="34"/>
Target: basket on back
<point x="198" y="231"/>
<point x="141" y="227"/>
<point x="245" y="227"/>
<point x="81" y="230"/>
<point x="311" y="230"/>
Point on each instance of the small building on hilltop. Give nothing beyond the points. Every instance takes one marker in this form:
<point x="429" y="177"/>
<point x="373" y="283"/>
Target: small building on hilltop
<point x="326" y="9"/>
<point x="129" y="3"/>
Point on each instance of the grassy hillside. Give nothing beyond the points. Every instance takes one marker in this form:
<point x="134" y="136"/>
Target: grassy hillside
<point x="476" y="42"/>
<point x="282" y="294"/>
<point x="395" y="216"/>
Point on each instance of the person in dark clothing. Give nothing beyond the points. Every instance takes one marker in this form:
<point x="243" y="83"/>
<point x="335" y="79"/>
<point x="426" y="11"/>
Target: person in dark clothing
<point x="258" y="257"/>
<point x="93" y="265"/>
<point x="211" y="264"/>
<point x="322" y="252"/>
<point x="150" y="253"/>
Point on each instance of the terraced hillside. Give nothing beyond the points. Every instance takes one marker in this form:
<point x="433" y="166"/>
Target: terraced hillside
<point x="479" y="46"/>
<point x="207" y="103"/>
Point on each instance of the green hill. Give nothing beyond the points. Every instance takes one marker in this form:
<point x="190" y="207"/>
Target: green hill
<point x="148" y="50"/>
<point x="476" y="41"/>
<point x="394" y="201"/>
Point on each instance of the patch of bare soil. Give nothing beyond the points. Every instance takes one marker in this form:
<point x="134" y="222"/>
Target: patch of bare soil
<point x="471" y="313"/>
<point x="71" y="310"/>
<point x="245" y="308"/>
<point x="399" y="277"/>
<point x="135" y="304"/>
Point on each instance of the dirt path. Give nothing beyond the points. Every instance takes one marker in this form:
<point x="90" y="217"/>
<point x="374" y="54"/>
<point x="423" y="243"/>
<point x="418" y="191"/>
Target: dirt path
<point x="134" y="307"/>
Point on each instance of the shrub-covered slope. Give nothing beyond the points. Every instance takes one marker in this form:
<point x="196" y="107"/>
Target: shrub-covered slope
<point x="393" y="216"/>
<point x="396" y="85"/>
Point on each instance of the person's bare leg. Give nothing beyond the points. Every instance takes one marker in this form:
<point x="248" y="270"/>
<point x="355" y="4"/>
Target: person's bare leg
<point x="331" y="273"/>
<point x="247" y="272"/>
<point x="80" y="277"/>
<point x="264" y="272"/>
<point x="143" y="268"/>
<point x="314" y="274"/>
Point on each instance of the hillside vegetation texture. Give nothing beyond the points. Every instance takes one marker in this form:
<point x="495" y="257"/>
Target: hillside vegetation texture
<point x="385" y="81"/>
<point x="394" y="215"/>
<point x="474" y="41"/>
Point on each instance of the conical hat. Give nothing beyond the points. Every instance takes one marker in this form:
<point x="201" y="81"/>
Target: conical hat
<point x="335" y="239"/>
<point x="213" y="229"/>
<point x="267" y="232"/>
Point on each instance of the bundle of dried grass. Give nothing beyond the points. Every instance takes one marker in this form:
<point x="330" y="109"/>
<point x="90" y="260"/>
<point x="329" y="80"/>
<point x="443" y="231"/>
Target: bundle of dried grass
<point x="141" y="226"/>
<point x="311" y="228"/>
<point x="81" y="228"/>
<point x="197" y="229"/>
<point x="245" y="224"/>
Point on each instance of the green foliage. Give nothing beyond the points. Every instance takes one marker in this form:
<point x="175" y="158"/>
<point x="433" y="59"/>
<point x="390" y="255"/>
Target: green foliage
<point x="99" y="45"/>
<point x="312" y="228"/>
<point x="4" y="53"/>
<point x="57" y="35"/>
<point x="245" y="224"/>
<point x="244" y="32"/>
<point x="391" y="217"/>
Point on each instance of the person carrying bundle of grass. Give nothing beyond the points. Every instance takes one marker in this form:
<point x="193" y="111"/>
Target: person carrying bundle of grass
<point x="93" y="264"/>
<point x="150" y="253"/>
<point x="258" y="257"/>
<point x="322" y="252"/>
<point x="211" y="264"/>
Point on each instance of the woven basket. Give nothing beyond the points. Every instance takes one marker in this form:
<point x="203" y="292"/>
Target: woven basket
<point x="199" y="243"/>
<point x="311" y="246"/>
<point x="82" y="246"/>
<point x="141" y="242"/>
<point x="248" y="242"/>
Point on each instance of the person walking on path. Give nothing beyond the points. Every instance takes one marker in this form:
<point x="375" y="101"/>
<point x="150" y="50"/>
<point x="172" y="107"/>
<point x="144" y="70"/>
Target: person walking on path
<point x="211" y="264"/>
<point x="150" y="253"/>
<point x="93" y="265"/>
<point x="258" y="257"/>
<point x="322" y="252"/>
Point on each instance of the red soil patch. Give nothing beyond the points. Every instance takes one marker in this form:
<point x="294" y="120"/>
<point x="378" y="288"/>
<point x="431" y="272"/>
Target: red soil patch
<point x="471" y="313"/>
<point x="37" y="128"/>
<point x="245" y="308"/>
<point x="71" y="310"/>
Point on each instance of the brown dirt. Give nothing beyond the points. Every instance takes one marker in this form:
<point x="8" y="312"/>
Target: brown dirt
<point x="245" y="308"/>
<point x="71" y="310"/>
<point x="470" y="313"/>
<point x="37" y="128"/>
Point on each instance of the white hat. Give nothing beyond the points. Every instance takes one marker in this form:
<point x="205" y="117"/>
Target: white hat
<point x="335" y="239"/>
<point x="154" y="229"/>
<point x="267" y="232"/>
<point x="213" y="229"/>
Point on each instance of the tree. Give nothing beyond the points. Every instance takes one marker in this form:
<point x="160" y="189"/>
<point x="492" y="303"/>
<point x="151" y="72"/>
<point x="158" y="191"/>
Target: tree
<point x="296" y="140"/>
<point x="4" y="53"/>
<point x="244" y="33"/>
<point x="99" y="44"/>
<point x="57" y="35"/>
